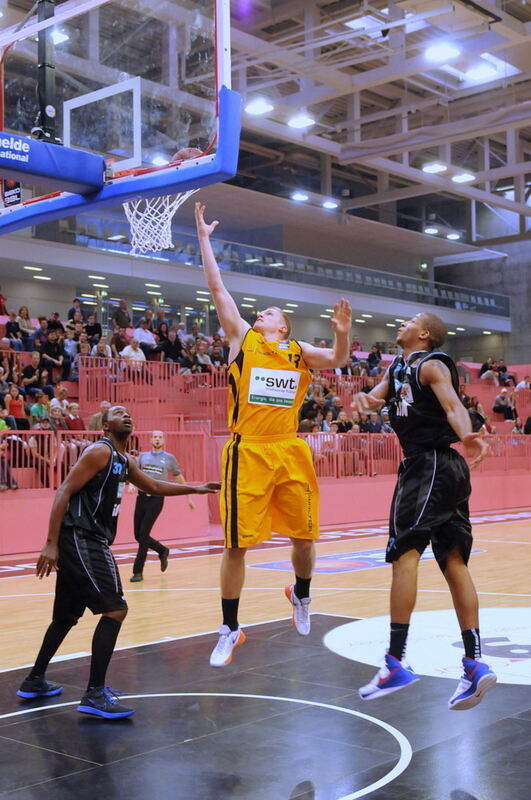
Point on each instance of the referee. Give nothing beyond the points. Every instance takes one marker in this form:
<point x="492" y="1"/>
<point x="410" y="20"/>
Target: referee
<point x="159" y="465"/>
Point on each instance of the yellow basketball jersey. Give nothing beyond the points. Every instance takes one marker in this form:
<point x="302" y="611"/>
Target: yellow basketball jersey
<point x="267" y="386"/>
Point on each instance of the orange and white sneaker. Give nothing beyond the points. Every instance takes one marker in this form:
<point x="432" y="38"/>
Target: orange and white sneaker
<point x="301" y="611"/>
<point x="228" y="640"/>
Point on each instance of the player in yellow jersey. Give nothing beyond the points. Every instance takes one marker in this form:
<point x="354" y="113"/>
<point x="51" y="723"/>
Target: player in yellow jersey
<point x="268" y="477"/>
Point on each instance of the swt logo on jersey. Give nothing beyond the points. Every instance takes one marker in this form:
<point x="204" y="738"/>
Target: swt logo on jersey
<point x="273" y="387"/>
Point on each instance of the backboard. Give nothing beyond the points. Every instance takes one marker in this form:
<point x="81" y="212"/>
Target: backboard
<point x="136" y="80"/>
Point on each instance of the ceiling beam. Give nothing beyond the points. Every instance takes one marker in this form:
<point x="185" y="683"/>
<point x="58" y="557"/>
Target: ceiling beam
<point x="386" y="197"/>
<point x="446" y="185"/>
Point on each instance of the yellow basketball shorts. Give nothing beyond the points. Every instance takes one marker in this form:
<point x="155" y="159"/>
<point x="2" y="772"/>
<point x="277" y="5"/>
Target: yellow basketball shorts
<point x="268" y="484"/>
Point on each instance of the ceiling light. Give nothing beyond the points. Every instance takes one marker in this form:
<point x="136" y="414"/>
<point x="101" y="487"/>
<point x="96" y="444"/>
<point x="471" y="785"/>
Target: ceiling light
<point x="188" y="308"/>
<point x="460" y="329"/>
<point x="361" y="321"/>
<point x="246" y="305"/>
<point x="251" y="299"/>
<point x="34" y="269"/>
<point x="293" y="305"/>
<point x="153" y="285"/>
<point x="202" y="291"/>
<point x="451" y="333"/>
<point x="300" y="197"/>
<point x="453" y="236"/>
<point x="433" y="167"/>
<point x="117" y="237"/>
<point x="431" y="229"/>
<point x="487" y="333"/>
<point x="155" y="294"/>
<point x="138" y="308"/>
<point x="390" y="325"/>
<point x="423" y="265"/>
<point x="276" y="264"/>
<point x="369" y="26"/>
<point x="463" y="177"/>
<point x="325" y="316"/>
<point x="483" y="71"/>
<point x="41" y="278"/>
<point x="398" y="319"/>
<point x="331" y="310"/>
<point x="159" y="161"/>
<point x="301" y="120"/>
<point x="369" y="316"/>
<point x="260" y="105"/>
<point x="441" y="51"/>
<point x="97" y="277"/>
<point x="101" y="285"/>
<point x="251" y="260"/>
<point x="90" y="303"/>
<point x="288" y="311"/>
<point x="93" y="296"/>
<point x="58" y="37"/>
<point x="330" y="204"/>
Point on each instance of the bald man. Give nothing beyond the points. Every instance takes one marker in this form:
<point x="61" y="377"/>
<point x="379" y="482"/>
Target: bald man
<point x="160" y="465"/>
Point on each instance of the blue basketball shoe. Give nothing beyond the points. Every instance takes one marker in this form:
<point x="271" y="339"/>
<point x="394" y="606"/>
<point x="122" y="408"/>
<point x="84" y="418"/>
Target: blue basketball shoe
<point x="477" y="679"/>
<point x="103" y="702"/>
<point x="33" y="688"/>
<point x="394" y="675"/>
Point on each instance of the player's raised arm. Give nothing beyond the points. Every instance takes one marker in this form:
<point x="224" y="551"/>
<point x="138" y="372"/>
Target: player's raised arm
<point x="336" y="356"/>
<point x="437" y="376"/>
<point x="232" y="323"/>
<point x="164" y="488"/>
<point x="364" y="402"/>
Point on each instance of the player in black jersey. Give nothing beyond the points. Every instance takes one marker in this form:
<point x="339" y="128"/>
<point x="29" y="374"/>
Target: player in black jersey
<point x="82" y="527"/>
<point x="430" y="502"/>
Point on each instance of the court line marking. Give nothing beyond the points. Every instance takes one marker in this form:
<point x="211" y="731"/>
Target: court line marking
<point x="318" y="592"/>
<point x="406" y="752"/>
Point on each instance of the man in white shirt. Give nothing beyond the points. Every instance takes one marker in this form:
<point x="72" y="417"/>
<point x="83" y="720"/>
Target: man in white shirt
<point x="145" y="338"/>
<point x="525" y="384"/>
<point x="133" y="352"/>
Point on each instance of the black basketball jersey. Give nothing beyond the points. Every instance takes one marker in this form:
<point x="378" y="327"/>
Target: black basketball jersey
<point x="95" y="508"/>
<point x="416" y="415"/>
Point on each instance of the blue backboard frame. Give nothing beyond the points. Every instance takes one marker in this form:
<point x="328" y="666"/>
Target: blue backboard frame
<point x="221" y="168"/>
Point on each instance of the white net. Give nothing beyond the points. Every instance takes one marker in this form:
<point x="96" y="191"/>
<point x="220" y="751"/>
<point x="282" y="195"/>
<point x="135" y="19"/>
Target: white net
<point x="150" y="219"/>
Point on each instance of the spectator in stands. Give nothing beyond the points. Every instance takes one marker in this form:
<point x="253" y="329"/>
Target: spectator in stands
<point x="465" y="399"/>
<point x="71" y="347"/>
<point x="40" y="337"/>
<point x="95" y="422"/>
<point x="344" y="425"/>
<point x="15" y="407"/>
<point x="57" y="420"/>
<point x="373" y="424"/>
<point x="39" y="409"/>
<point x="518" y="427"/>
<point x="84" y="351"/>
<point x="306" y="425"/>
<point x="217" y="356"/>
<point x="54" y="322"/>
<point x="148" y="316"/>
<point x="60" y="401"/>
<point x="195" y="334"/>
<point x="355" y="345"/>
<point x="488" y="427"/>
<point x="13" y="332"/>
<point x="379" y="370"/>
<point x="475" y="405"/>
<point x="327" y="421"/>
<point x="133" y="352"/>
<point x="3" y="301"/>
<point x="35" y="377"/>
<point x="202" y="357"/>
<point x="348" y="369"/>
<point x="386" y="425"/>
<point x="336" y="405"/>
<point x="73" y="420"/>
<point x="189" y="364"/>
<point x="161" y="319"/>
<point x="93" y="330"/>
<point x="146" y="339"/>
<point x="76" y="324"/>
<point x="78" y="331"/>
<point x="41" y="448"/>
<point x="76" y="309"/>
<point x="181" y="333"/>
<point x="54" y="356"/>
<point x="119" y="341"/>
<point x="525" y="384"/>
<point x="120" y="317"/>
<point x="26" y="326"/>
<point x="172" y="347"/>
<point x="487" y="373"/>
<point x="503" y="404"/>
<point x="101" y="350"/>
<point x="162" y="332"/>
<point x="527" y="426"/>
<point x="505" y="378"/>
<point x="374" y="358"/>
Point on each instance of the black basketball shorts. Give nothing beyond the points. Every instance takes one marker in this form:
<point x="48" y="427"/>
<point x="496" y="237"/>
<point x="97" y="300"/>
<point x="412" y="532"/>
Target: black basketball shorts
<point x="87" y="577"/>
<point x="430" y="504"/>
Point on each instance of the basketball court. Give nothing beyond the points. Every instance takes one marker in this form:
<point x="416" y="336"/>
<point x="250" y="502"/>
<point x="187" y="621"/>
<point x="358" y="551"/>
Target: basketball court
<point x="284" y="720"/>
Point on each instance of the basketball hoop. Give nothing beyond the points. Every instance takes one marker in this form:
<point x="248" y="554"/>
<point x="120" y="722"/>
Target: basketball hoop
<point x="150" y="219"/>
